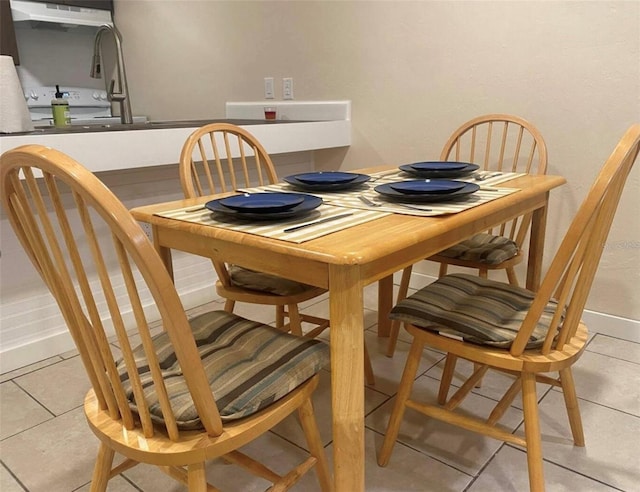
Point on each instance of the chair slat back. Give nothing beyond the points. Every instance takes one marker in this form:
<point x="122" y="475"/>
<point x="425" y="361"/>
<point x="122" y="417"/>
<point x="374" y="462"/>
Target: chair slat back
<point x="220" y="157"/>
<point x="574" y="266"/>
<point x="500" y="142"/>
<point x="97" y="263"/>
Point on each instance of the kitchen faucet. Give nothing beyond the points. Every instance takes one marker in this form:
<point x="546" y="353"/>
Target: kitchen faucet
<point x="122" y="94"/>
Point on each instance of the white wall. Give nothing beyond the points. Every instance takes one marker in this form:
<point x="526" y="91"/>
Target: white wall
<point x="414" y="72"/>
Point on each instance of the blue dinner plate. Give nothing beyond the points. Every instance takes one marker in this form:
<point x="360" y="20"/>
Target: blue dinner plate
<point x="387" y="191"/>
<point x="468" y="168"/>
<point x="324" y="177"/>
<point x="309" y="203"/>
<point x="359" y="180"/>
<point x="439" y="166"/>
<point x="421" y="186"/>
<point x="262" y="202"/>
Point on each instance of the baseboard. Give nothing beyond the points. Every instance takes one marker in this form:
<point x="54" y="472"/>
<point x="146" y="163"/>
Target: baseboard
<point x="614" y="326"/>
<point x="36" y="350"/>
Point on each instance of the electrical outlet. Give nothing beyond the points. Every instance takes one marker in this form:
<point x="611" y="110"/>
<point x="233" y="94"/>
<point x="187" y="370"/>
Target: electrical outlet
<point x="268" y="88"/>
<point x="146" y="227"/>
<point x="287" y="88"/>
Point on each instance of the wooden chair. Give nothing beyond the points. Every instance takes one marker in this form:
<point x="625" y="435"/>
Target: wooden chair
<point x="196" y="391"/>
<point x="510" y="329"/>
<point x="496" y="142"/>
<point x="221" y="157"/>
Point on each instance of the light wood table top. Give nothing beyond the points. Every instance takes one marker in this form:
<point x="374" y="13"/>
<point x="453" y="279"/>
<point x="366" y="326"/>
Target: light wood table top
<point x="345" y="262"/>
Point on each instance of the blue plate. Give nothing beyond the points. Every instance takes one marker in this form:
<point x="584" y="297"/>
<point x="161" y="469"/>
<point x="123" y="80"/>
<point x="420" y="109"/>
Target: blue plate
<point x="387" y="191"/>
<point x="357" y="181"/>
<point x="427" y="186"/>
<point x="323" y="177"/>
<point x="262" y="202"/>
<point x="439" y="166"/>
<point x="309" y="203"/>
<point x="441" y="173"/>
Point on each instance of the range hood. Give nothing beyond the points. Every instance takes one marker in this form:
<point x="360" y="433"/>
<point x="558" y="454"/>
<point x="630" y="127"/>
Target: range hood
<point x="67" y="15"/>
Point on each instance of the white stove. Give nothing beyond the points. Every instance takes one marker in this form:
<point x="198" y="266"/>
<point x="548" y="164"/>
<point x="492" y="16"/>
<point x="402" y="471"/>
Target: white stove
<point x="86" y="106"/>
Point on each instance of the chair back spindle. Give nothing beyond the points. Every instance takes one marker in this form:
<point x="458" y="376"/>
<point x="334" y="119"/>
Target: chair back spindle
<point x="572" y="271"/>
<point x="60" y="220"/>
<point x="220" y="158"/>
<point x="504" y="143"/>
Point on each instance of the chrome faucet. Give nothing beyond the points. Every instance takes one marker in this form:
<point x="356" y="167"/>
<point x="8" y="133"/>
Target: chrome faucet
<point x="122" y="94"/>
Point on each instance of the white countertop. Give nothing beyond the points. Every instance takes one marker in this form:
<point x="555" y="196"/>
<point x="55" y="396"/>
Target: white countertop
<point x="112" y="150"/>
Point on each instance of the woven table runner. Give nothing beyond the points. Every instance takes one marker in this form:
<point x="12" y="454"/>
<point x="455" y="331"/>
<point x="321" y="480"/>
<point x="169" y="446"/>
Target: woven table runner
<point x="350" y="198"/>
<point x="276" y="229"/>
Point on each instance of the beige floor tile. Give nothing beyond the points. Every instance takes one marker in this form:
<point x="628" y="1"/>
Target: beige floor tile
<point x="217" y="304"/>
<point x="256" y="312"/>
<point x="69" y="354"/>
<point x="507" y="472"/>
<point x="18" y="411"/>
<point x="611" y="452"/>
<point x="269" y="449"/>
<point x="7" y="482"/>
<point x="608" y="381"/>
<point x="290" y="428"/>
<point x="371" y="296"/>
<point x="464" y="450"/>
<point x="30" y="368"/>
<point x="409" y="470"/>
<point x="116" y="484"/>
<point x="55" y="456"/>
<point x="59" y="387"/>
<point x="615" y="347"/>
<point x="494" y="384"/>
<point x="388" y="370"/>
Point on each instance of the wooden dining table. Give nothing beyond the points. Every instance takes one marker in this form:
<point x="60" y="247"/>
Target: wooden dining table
<point x="344" y="262"/>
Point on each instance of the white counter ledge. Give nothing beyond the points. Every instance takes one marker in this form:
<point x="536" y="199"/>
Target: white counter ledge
<point x="108" y="150"/>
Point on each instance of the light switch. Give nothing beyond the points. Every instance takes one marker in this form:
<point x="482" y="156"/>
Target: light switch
<point x="287" y="88"/>
<point x="268" y="88"/>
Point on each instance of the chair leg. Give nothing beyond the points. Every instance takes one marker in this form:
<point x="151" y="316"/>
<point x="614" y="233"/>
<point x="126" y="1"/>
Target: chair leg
<point x="447" y="376"/>
<point x="280" y="317"/>
<point x="368" y="368"/>
<point x="229" y="305"/>
<point x="404" y="391"/>
<point x="196" y="477"/>
<point x="532" y="432"/>
<point x="310" y="428"/>
<point x="102" y="468"/>
<point x="511" y="275"/>
<point x="571" y="402"/>
<point x="442" y="271"/>
<point x="395" y="324"/>
<point x="483" y="273"/>
<point x="295" y="323"/>
<point x="476" y="366"/>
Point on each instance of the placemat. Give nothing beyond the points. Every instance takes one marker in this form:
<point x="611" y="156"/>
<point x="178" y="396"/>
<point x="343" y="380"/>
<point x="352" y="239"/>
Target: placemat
<point x="276" y="229"/>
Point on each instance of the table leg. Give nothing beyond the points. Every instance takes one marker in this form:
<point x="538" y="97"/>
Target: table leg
<point x="536" y="247"/>
<point x="385" y="303"/>
<point x="347" y="374"/>
<point x="165" y="253"/>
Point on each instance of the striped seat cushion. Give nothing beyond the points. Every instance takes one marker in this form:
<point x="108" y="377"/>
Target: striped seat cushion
<point x="479" y="310"/>
<point x="264" y="282"/>
<point x="249" y="366"/>
<point x="483" y="248"/>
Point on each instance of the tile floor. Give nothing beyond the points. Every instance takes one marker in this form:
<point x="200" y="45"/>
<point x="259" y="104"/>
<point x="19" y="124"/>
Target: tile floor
<point x="47" y="446"/>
